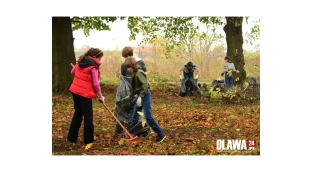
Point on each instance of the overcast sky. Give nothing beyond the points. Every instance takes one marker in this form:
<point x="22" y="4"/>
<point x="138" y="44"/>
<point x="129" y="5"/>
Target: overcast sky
<point x="118" y="37"/>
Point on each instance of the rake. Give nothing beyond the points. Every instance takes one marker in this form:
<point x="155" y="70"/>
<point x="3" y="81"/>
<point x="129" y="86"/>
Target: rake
<point x="128" y="135"/>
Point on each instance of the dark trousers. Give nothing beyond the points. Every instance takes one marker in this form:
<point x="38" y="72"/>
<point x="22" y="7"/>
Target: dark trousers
<point x="83" y="111"/>
<point x="189" y="87"/>
<point x="189" y="84"/>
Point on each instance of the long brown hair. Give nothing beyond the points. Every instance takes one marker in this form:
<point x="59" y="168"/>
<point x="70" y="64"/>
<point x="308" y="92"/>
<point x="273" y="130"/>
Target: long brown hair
<point x="130" y="62"/>
<point x="93" y="52"/>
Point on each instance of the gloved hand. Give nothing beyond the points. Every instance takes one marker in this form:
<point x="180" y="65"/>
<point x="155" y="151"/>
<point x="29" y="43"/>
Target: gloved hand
<point x="181" y="77"/>
<point x="237" y="71"/>
<point x="127" y="97"/>
<point x="222" y="74"/>
<point x="101" y="99"/>
<point x="139" y="101"/>
<point x="196" y="77"/>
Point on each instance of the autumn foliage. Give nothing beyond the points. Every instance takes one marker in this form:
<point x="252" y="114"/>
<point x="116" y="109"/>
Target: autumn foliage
<point x="192" y="125"/>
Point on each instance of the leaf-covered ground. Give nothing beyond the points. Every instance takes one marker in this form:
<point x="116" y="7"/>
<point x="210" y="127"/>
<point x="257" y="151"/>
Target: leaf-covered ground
<point x="192" y="126"/>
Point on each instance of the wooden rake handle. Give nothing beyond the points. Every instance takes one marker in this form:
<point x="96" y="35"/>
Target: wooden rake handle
<point x="124" y="129"/>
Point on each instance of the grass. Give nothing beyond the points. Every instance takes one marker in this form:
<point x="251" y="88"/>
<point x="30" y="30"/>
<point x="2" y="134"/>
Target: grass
<point x="192" y="126"/>
<point x="167" y="71"/>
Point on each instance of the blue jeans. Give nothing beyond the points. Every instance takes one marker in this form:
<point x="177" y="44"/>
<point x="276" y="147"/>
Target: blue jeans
<point x="189" y="75"/>
<point x="228" y="81"/>
<point x="146" y="106"/>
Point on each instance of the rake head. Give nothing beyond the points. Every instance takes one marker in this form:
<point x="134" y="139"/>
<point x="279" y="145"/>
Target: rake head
<point x="130" y="137"/>
<point x="133" y="138"/>
<point x="126" y="133"/>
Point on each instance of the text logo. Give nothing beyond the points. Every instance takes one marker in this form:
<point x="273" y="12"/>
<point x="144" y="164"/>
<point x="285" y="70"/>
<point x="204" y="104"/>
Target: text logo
<point x="230" y="145"/>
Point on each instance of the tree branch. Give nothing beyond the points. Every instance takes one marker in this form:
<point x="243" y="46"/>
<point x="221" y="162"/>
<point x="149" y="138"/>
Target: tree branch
<point x="81" y="20"/>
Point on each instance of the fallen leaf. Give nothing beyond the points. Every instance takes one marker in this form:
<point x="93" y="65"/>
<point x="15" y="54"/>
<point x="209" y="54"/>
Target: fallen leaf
<point x="145" y="154"/>
<point x="124" y="153"/>
<point x="171" y="153"/>
<point x="189" y="139"/>
<point x="108" y="135"/>
<point x="143" y="119"/>
<point x="121" y="141"/>
<point x="233" y="152"/>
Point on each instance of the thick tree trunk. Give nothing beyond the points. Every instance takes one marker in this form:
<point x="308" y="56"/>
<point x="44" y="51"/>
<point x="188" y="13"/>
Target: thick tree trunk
<point x="62" y="54"/>
<point x="234" y="41"/>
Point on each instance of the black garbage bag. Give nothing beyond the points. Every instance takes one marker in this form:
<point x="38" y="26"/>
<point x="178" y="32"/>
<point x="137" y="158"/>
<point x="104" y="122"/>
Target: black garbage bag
<point x="124" y="110"/>
<point x="188" y="84"/>
<point x="251" y="83"/>
<point x="218" y="83"/>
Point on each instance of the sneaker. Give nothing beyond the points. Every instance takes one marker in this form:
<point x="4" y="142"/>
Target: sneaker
<point x="160" y="138"/>
<point x="88" y="146"/>
<point x="144" y="131"/>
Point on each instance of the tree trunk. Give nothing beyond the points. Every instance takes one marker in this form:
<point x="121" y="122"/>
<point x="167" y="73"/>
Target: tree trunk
<point x="234" y="41"/>
<point x="62" y="54"/>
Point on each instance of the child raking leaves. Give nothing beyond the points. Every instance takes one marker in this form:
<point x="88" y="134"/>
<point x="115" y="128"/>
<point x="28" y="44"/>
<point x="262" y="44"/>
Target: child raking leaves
<point x="141" y="88"/>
